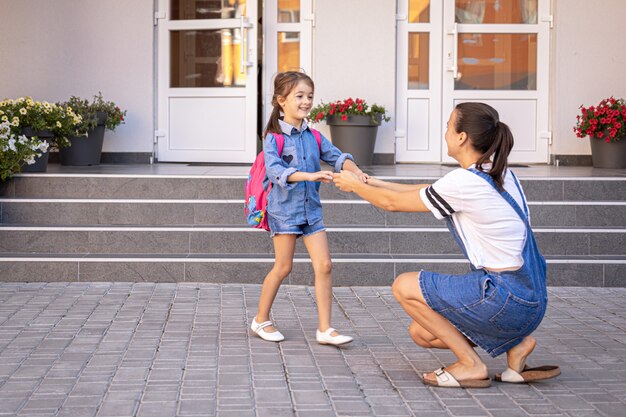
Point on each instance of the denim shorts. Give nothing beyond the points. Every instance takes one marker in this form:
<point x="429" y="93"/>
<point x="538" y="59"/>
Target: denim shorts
<point x="495" y="310"/>
<point x="279" y="228"/>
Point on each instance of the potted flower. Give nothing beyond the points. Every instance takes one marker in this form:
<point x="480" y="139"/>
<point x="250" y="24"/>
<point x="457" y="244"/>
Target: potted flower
<point x="605" y="125"/>
<point x="97" y="116"/>
<point x="353" y="125"/>
<point x="42" y="120"/>
<point x="17" y="149"/>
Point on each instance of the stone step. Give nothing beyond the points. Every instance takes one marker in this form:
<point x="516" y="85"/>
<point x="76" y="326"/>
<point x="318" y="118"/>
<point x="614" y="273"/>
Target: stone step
<point x="190" y="240"/>
<point x="161" y="212"/>
<point x="231" y="187"/>
<point x="592" y="271"/>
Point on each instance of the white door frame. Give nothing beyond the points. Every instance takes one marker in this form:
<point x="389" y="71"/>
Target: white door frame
<point x="271" y="28"/>
<point x="206" y="138"/>
<point x="418" y="112"/>
<point x="422" y="114"/>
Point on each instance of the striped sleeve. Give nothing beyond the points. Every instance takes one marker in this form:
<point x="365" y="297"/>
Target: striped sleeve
<point x="437" y="204"/>
<point x="443" y="198"/>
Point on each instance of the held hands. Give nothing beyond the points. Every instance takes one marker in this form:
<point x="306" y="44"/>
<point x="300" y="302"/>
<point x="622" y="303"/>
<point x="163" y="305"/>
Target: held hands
<point x="346" y="180"/>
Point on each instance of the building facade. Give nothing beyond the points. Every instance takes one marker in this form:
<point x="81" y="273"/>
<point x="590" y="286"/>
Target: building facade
<point x="196" y="75"/>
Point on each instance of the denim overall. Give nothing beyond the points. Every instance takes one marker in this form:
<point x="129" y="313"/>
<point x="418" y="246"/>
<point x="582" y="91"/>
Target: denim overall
<point x="495" y="310"/>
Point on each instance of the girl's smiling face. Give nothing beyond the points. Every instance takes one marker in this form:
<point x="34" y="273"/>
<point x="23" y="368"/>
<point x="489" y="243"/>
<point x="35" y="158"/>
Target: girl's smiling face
<point x="297" y="104"/>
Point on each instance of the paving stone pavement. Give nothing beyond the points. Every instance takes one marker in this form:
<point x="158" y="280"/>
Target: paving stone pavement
<point x="159" y="350"/>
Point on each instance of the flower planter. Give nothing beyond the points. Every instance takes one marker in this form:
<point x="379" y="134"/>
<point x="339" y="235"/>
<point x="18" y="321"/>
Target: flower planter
<point x="610" y="155"/>
<point x="85" y="150"/>
<point x="356" y="136"/>
<point x="41" y="163"/>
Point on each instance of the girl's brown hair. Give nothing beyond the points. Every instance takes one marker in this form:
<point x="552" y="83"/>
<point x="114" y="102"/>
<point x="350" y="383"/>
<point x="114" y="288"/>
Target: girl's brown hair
<point x="283" y="84"/>
<point x="488" y="135"/>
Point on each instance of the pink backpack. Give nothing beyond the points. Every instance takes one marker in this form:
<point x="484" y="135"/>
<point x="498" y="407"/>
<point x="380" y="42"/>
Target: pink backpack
<point x="256" y="196"/>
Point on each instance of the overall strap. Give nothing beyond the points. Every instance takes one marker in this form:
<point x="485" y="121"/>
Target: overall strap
<point x="521" y="193"/>
<point x="507" y="197"/>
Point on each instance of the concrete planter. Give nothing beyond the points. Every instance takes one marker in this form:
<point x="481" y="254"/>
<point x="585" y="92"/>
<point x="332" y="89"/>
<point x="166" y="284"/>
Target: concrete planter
<point x="611" y="155"/>
<point x="356" y="136"/>
<point x="85" y="150"/>
<point x="41" y="163"/>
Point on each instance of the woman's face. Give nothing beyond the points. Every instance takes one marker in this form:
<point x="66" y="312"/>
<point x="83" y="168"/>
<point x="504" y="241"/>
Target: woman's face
<point x="452" y="135"/>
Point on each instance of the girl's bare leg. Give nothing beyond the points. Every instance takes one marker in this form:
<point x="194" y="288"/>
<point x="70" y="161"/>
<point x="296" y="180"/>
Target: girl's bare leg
<point x="317" y="246"/>
<point x="284" y="248"/>
<point x="407" y="291"/>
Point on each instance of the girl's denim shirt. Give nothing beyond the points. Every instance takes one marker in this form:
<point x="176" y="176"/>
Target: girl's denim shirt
<point x="297" y="203"/>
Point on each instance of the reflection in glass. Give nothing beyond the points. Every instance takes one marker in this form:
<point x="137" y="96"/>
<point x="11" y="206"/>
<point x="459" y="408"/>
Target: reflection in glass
<point x="418" y="60"/>
<point x="497" y="61"/>
<point x="496" y="11"/>
<point x="205" y="58"/>
<point x="419" y="11"/>
<point x="288" y="11"/>
<point x="288" y="51"/>
<point x="206" y="9"/>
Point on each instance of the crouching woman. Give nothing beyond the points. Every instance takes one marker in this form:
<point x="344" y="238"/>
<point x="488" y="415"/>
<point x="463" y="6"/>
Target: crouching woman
<point x="503" y="299"/>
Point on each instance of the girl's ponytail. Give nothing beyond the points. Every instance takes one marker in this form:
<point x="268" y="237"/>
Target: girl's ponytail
<point x="284" y="82"/>
<point x="272" y="124"/>
<point x="488" y="135"/>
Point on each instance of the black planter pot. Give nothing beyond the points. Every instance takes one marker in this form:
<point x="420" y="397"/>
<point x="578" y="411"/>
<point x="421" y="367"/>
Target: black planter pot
<point x="356" y="136"/>
<point x="85" y="150"/>
<point x="41" y="163"/>
<point x="611" y="155"/>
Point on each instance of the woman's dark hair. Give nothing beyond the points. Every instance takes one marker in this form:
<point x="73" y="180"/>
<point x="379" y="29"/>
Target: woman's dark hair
<point x="487" y="134"/>
<point x="283" y="84"/>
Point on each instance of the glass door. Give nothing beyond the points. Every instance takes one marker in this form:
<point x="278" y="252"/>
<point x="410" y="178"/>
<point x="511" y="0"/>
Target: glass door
<point x="207" y="80"/>
<point x="418" y="107"/>
<point x="450" y="51"/>
<point x="497" y="52"/>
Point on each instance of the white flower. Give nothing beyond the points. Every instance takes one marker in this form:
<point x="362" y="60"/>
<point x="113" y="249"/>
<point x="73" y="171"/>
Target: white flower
<point x="23" y="111"/>
<point x="5" y="119"/>
<point x="30" y="160"/>
<point x="12" y="144"/>
<point x="22" y="139"/>
<point x="43" y="147"/>
<point x="59" y="124"/>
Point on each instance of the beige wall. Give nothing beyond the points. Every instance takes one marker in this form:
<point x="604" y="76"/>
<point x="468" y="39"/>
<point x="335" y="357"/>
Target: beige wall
<point x="354" y="55"/>
<point x="54" y="49"/>
<point x="588" y="64"/>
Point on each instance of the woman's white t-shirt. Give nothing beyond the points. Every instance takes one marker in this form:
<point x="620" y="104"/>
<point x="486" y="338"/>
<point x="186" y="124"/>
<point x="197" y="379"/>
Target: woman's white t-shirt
<point x="491" y="230"/>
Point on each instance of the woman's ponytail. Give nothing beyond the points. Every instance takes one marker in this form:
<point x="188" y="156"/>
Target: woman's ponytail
<point x="488" y="135"/>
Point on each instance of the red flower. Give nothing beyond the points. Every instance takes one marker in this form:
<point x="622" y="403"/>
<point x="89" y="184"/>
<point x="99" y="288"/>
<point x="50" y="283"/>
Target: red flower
<point x="344" y="117"/>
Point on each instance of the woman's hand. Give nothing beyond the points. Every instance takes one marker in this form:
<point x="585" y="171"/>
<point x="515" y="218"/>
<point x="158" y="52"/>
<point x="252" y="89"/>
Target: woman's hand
<point x="321" y="176"/>
<point x="346" y="180"/>
<point x="362" y="176"/>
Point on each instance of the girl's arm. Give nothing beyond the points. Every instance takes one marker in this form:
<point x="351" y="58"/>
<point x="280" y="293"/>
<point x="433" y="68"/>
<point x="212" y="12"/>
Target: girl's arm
<point x="323" y="176"/>
<point x="385" y="198"/>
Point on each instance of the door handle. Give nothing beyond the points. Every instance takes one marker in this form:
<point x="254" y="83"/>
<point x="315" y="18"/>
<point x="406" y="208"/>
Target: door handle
<point x="455" y="56"/>
<point x="243" y="27"/>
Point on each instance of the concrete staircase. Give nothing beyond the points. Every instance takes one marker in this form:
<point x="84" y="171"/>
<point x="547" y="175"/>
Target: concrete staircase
<point x="72" y="227"/>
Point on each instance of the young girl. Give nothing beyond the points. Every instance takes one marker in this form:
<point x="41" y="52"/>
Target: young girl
<point x="294" y="207"/>
<point x="502" y="301"/>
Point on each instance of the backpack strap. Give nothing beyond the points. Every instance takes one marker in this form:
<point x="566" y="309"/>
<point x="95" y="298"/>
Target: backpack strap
<point x="280" y="142"/>
<point x="318" y="138"/>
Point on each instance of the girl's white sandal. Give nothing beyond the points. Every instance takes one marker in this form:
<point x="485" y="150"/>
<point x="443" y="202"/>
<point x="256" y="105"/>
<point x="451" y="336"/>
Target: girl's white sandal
<point x="270" y="337"/>
<point x="325" y="338"/>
